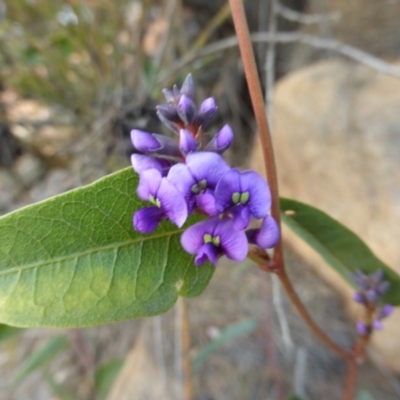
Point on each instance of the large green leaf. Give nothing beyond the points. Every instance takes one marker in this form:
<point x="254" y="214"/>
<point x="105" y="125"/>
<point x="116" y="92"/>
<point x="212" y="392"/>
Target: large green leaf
<point x="341" y="248"/>
<point x="75" y="260"/>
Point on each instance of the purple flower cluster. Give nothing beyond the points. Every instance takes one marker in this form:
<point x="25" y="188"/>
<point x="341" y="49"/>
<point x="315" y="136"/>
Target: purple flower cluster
<point x="185" y="176"/>
<point x="370" y="289"/>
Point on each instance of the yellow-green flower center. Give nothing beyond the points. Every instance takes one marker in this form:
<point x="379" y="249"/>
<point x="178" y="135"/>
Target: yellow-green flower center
<point x="215" y="240"/>
<point x="155" y="201"/>
<point x="199" y="186"/>
<point x="240" y="198"/>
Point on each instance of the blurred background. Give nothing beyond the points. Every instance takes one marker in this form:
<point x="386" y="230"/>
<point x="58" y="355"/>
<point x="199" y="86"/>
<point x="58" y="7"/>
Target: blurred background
<point x="77" y="76"/>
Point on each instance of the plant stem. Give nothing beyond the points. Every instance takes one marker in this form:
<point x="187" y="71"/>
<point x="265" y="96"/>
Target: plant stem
<point x="351" y="379"/>
<point x="294" y="298"/>
<point x="250" y="69"/>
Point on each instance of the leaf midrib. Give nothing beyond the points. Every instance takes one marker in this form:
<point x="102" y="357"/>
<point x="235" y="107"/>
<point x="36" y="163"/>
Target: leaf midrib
<point x="115" y="245"/>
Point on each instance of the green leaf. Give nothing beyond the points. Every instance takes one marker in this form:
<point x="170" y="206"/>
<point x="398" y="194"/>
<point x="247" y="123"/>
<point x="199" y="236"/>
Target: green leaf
<point x="341" y="248"/>
<point x="228" y="334"/>
<point x="75" y="260"/>
<point x="41" y="357"/>
<point x="7" y="332"/>
<point x="105" y="376"/>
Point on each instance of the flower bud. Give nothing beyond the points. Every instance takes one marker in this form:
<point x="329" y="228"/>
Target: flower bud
<point x="144" y="142"/>
<point x="221" y="141"/>
<point x="362" y="329"/>
<point x="186" y="109"/>
<point x="207" y="110"/>
<point x="188" y="87"/>
<point x="385" y="312"/>
<point x="187" y="143"/>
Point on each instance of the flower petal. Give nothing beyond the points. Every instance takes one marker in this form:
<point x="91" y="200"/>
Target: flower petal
<point x="187" y="87"/>
<point x="168" y="112"/>
<point x="207" y="165"/>
<point x="187" y="143"/>
<point x="172" y="202"/>
<point x="241" y="217"/>
<point x="173" y="126"/>
<point x="227" y="185"/>
<point x="207" y="110"/>
<point x="206" y="252"/>
<point x="193" y="238"/>
<point x="180" y="176"/>
<point x="142" y="163"/>
<point x="234" y="243"/>
<point x="144" y="141"/>
<point x="267" y="236"/>
<point x="221" y="141"/>
<point x="260" y="195"/>
<point x="147" y="219"/>
<point x="186" y="109"/>
<point x="149" y="183"/>
<point x="206" y="201"/>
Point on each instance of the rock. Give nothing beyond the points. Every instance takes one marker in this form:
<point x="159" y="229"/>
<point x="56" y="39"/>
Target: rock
<point x="48" y="132"/>
<point x="337" y="143"/>
<point x="29" y="169"/>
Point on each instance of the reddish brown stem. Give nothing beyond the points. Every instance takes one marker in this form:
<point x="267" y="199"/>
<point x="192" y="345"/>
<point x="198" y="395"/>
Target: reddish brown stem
<point x="248" y="59"/>
<point x="351" y="381"/>
<point x="250" y="70"/>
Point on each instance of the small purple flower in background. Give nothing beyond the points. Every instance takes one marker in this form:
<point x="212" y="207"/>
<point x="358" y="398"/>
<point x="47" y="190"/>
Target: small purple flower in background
<point x="167" y="202"/>
<point x="370" y="287"/>
<point x="182" y="177"/>
<point x="370" y="290"/>
<point x="213" y="238"/>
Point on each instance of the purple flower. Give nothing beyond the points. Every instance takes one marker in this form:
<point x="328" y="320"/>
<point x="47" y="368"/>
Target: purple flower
<point x="370" y="287"/>
<point x="385" y="311"/>
<point x="168" y="115"/>
<point x="166" y="199"/>
<point x="206" y="112"/>
<point x="187" y="87"/>
<point x="154" y="143"/>
<point x="198" y="176"/>
<point x="267" y="236"/>
<point x="142" y="163"/>
<point x="210" y="239"/>
<point x="243" y="194"/>
<point x="221" y="141"/>
<point x="362" y="329"/>
<point x="187" y="143"/>
<point x="186" y="109"/>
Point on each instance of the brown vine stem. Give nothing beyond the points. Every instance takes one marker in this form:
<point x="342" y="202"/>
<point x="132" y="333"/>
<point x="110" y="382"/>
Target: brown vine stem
<point x="248" y="59"/>
<point x="350" y="387"/>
